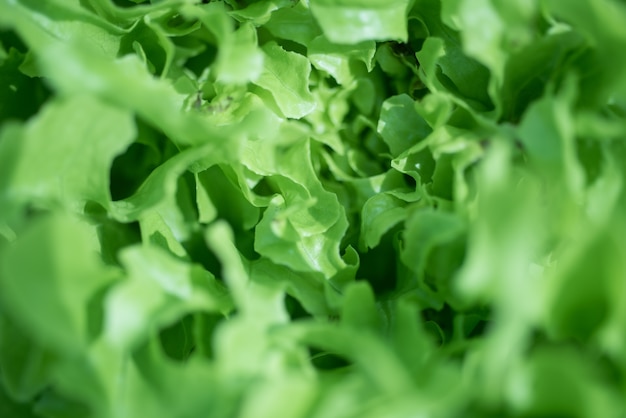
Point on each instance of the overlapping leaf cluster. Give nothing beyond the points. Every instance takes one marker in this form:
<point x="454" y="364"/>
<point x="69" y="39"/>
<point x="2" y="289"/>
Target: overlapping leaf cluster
<point x="314" y="208"/>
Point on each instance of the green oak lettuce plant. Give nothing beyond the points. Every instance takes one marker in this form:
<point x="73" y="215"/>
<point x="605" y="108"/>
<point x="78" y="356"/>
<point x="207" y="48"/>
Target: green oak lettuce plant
<point x="313" y="208"/>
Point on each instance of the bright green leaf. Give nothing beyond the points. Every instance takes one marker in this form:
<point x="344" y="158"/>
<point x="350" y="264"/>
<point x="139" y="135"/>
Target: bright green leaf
<point x="285" y="78"/>
<point x="353" y="21"/>
<point x="54" y="266"/>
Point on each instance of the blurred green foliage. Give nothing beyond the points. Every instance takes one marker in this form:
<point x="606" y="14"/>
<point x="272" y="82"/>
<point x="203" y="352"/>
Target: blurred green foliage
<point x="313" y="208"/>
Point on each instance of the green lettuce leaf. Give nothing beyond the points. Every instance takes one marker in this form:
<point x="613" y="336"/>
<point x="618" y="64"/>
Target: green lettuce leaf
<point x="353" y="21"/>
<point x="284" y="82"/>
